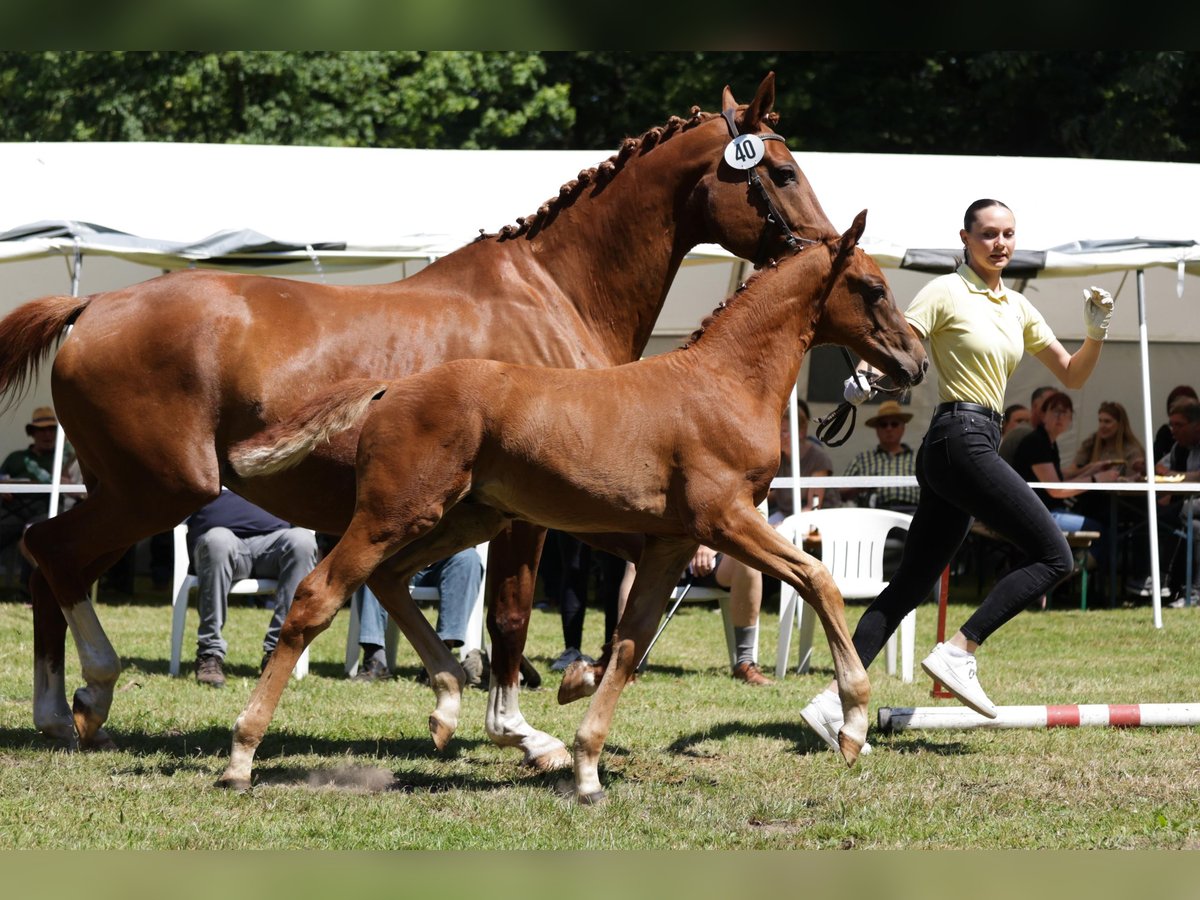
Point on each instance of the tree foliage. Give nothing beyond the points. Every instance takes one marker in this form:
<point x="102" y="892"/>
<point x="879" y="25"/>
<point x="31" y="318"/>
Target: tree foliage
<point x="353" y="99"/>
<point x="1108" y="104"/>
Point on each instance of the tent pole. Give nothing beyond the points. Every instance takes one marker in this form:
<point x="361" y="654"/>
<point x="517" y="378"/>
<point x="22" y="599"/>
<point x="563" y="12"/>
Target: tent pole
<point x="794" y="437"/>
<point x="1151" y="493"/>
<point x="60" y="439"/>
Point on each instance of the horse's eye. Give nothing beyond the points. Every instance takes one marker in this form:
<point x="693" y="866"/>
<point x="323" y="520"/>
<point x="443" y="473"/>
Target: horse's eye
<point x="783" y="175"/>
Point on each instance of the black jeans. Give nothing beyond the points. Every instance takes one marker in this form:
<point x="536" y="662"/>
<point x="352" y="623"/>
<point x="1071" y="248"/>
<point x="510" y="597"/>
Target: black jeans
<point x="963" y="478"/>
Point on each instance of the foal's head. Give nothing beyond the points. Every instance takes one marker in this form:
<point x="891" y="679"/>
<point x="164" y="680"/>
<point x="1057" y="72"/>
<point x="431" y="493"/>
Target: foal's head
<point x="860" y="313"/>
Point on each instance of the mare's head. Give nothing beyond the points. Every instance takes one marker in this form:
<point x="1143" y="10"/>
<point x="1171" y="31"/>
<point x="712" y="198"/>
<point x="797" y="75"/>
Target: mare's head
<point x="744" y="177"/>
<point x="860" y="312"/>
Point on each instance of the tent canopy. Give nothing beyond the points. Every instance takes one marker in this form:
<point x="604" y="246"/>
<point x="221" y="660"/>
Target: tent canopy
<point x="243" y="206"/>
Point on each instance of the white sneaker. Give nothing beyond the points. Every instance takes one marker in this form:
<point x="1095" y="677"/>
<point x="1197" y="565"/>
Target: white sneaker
<point x="958" y="675"/>
<point x="824" y="716"/>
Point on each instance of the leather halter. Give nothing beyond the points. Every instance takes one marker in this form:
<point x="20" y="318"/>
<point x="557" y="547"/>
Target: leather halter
<point x="774" y="217"/>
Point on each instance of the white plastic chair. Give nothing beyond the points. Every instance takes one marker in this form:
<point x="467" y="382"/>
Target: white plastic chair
<point x="391" y="636"/>
<point x="694" y="592"/>
<point x="182" y="585"/>
<point x="852" y="545"/>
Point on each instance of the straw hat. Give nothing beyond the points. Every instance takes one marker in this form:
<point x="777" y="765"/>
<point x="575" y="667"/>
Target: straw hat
<point x="889" y="409"/>
<point x="43" y="417"/>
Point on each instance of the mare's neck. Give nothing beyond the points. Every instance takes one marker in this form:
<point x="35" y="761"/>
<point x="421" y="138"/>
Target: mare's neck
<point x="614" y="252"/>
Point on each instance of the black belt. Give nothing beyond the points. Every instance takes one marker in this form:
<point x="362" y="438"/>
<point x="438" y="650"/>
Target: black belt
<point x="963" y="406"/>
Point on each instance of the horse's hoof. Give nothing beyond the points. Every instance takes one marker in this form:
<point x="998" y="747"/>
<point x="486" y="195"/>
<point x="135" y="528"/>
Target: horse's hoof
<point x="441" y="732"/>
<point x="850" y="748"/>
<point x="551" y="761"/>
<point x="99" y="742"/>
<point x="233" y="783"/>
<point x="579" y="680"/>
<point x="595" y="798"/>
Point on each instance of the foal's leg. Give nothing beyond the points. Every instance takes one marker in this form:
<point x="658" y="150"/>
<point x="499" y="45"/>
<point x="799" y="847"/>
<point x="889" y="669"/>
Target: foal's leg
<point x="318" y="598"/>
<point x="661" y="564"/>
<point x="746" y="536"/>
<point x="464" y="525"/>
<point x="446" y="676"/>
<point x="512" y="569"/>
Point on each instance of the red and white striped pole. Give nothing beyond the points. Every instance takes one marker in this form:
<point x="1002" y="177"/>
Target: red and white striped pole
<point x="1131" y="715"/>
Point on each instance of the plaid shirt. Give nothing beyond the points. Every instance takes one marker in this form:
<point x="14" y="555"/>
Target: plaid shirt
<point x="880" y="462"/>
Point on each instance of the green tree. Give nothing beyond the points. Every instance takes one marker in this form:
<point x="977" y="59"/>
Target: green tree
<point x="1105" y="103"/>
<point x="365" y="98"/>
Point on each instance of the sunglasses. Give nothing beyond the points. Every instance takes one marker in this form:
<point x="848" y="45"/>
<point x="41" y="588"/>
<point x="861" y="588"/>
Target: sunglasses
<point x="33" y="428"/>
<point x="889" y="423"/>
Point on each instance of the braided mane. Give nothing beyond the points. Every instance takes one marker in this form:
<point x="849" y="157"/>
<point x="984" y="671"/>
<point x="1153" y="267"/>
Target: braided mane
<point x="601" y="175"/>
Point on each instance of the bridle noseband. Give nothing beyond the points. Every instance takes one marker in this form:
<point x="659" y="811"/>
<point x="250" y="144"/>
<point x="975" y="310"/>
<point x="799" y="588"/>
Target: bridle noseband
<point x="774" y="217"/>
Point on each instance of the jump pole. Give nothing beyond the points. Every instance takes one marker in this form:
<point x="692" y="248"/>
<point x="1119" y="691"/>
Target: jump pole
<point x="1133" y="715"/>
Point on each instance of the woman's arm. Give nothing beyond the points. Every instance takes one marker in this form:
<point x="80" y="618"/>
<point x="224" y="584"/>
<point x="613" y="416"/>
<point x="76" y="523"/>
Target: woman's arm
<point x="1073" y="370"/>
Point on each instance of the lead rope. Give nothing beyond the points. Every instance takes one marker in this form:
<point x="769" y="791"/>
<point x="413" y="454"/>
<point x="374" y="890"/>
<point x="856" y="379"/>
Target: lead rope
<point x="834" y="422"/>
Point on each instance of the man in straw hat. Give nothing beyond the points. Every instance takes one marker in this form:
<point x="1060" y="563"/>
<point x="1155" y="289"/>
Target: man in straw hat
<point x="891" y="457"/>
<point x="31" y="465"/>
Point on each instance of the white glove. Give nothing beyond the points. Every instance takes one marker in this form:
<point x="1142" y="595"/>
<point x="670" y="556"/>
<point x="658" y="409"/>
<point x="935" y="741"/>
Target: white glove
<point x="857" y="389"/>
<point x="1097" y="311"/>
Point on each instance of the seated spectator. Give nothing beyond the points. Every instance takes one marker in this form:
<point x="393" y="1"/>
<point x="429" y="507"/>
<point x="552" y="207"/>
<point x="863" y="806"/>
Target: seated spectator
<point x="1015" y="415"/>
<point x="815" y="462"/>
<point x="1037" y="459"/>
<point x="891" y="456"/>
<point x="1113" y="441"/>
<point x="1012" y="438"/>
<point x="458" y="579"/>
<point x="31" y="465"/>
<point x="1182" y="459"/>
<point x="568" y="578"/>
<point x="711" y="569"/>
<point x="1163" y="439"/>
<point x="230" y="539"/>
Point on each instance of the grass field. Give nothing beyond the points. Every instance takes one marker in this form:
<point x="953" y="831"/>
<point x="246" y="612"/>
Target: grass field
<point x="694" y="760"/>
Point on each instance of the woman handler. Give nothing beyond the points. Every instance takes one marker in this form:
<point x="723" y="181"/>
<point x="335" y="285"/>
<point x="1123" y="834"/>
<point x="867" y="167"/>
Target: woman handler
<point x="978" y="330"/>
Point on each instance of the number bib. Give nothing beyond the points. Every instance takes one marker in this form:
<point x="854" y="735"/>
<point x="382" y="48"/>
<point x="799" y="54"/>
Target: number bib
<point x="745" y="151"/>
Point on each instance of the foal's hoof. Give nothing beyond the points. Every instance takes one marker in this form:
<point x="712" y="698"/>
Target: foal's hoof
<point x="579" y="680"/>
<point x="440" y="731"/>
<point x="850" y="748"/>
<point x="233" y="783"/>
<point x="595" y="798"/>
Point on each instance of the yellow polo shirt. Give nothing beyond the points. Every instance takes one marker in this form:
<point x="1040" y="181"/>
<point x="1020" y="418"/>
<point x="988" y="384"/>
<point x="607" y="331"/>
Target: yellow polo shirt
<point x="976" y="336"/>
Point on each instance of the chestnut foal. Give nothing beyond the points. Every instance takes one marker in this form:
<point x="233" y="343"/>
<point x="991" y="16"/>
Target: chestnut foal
<point x="448" y="456"/>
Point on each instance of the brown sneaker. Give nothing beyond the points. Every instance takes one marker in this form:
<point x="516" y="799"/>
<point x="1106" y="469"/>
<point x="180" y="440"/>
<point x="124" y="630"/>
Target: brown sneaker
<point x="750" y="673"/>
<point x="210" y="671"/>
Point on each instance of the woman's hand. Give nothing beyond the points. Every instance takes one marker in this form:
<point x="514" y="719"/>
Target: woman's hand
<point x="1097" y="312"/>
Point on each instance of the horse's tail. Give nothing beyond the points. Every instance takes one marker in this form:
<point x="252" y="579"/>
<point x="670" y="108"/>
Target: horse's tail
<point x="286" y="443"/>
<point x="27" y="335"/>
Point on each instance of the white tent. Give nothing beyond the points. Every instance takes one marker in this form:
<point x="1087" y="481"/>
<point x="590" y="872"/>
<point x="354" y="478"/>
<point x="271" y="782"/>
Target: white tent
<point x="134" y="209"/>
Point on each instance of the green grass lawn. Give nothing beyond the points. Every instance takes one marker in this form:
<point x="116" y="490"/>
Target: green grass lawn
<point x="694" y="759"/>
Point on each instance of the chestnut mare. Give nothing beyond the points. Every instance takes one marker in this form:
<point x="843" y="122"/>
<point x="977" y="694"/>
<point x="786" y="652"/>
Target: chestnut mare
<point x="157" y="380"/>
<point x="681" y="447"/>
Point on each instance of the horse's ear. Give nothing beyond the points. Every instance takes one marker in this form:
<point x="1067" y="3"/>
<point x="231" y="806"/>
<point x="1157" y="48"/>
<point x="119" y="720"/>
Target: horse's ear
<point x="727" y="102"/>
<point x="854" y="232"/>
<point x="763" y="102"/>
